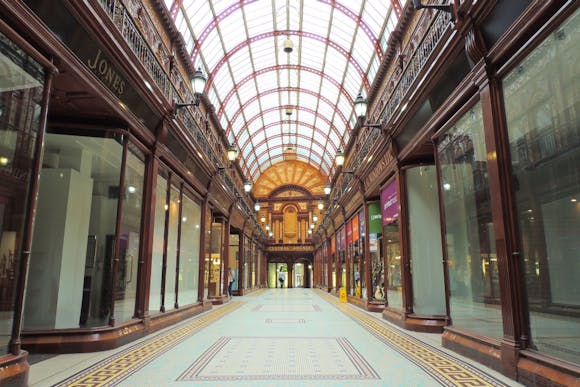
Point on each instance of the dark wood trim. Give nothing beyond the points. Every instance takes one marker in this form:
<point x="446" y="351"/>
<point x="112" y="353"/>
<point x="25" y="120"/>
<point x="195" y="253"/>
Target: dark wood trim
<point x="535" y="369"/>
<point x="482" y="349"/>
<point x="120" y="203"/>
<point x="415" y="322"/>
<point x="28" y="228"/>
<point x="148" y="231"/>
<point x="523" y="35"/>
<point x="165" y="240"/>
<point x="14" y="369"/>
<point x="511" y="279"/>
<point x="178" y="248"/>
<point x="12" y="35"/>
<point x="105" y="338"/>
<point x="405" y="243"/>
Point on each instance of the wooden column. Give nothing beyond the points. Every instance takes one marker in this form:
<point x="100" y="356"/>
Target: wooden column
<point x="511" y="283"/>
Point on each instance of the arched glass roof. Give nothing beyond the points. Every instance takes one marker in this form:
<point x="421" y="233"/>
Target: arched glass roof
<point x="268" y="100"/>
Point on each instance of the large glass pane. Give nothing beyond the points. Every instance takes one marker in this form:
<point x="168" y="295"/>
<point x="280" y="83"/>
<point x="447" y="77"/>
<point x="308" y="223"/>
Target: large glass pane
<point x="247" y="257"/>
<point x="542" y="99"/>
<point x="392" y="244"/>
<point x="20" y="108"/>
<point x="473" y="276"/>
<point x="425" y="241"/>
<point x="70" y="279"/>
<point x="214" y="265"/>
<point x="234" y="258"/>
<point x="189" y="252"/>
<point x="129" y="235"/>
<point x="161" y="209"/>
<point x="375" y="252"/>
<point x="172" y="232"/>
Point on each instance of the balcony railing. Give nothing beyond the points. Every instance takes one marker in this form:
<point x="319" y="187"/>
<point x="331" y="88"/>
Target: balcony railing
<point x="439" y="25"/>
<point x="138" y="44"/>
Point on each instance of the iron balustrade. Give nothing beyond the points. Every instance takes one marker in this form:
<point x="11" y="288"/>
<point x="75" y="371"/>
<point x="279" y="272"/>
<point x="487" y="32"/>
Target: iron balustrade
<point x="438" y="28"/>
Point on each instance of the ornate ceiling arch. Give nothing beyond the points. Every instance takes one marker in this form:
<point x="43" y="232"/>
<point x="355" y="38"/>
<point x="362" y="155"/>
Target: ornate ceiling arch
<point x="290" y="173"/>
<point x="337" y="49"/>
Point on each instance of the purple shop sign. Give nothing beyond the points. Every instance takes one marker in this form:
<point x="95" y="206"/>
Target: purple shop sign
<point x="390" y="203"/>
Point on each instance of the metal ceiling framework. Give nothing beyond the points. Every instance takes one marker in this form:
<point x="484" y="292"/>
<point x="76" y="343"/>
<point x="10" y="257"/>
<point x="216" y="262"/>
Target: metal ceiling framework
<point x="269" y="100"/>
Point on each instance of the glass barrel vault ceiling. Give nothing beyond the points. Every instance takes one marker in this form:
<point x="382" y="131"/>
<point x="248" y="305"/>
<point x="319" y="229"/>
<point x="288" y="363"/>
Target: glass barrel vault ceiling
<point x="268" y="100"/>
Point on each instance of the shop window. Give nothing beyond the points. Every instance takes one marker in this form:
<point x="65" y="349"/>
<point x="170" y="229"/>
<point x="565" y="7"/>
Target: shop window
<point x="70" y="278"/>
<point x="392" y="245"/>
<point x="172" y="248"/>
<point x="471" y="257"/>
<point x="161" y="209"/>
<point x="542" y="102"/>
<point x="21" y="91"/>
<point x="189" y="252"/>
<point x="425" y="250"/>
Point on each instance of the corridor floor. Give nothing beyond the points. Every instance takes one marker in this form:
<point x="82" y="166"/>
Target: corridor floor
<point x="274" y="337"/>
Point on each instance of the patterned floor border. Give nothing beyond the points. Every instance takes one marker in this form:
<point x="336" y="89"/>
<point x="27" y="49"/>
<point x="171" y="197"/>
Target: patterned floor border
<point x="205" y="366"/>
<point x="116" y="368"/>
<point x="446" y="369"/>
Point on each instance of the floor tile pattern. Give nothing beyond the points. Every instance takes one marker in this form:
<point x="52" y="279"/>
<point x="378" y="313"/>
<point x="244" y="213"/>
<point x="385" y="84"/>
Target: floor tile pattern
<point x="286" y="308"/>
<point x="116" y="368"/>
<point x="446" y="369"/>
<point x="279" y="358"/>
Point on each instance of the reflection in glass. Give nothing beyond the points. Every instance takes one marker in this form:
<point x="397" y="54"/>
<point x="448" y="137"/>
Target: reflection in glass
<point x="129" y="235"/>
<point x="74" y="233"/>
<point x="214" y="264"/>
<point x="189" y="252"/>
<point x="172" y="232"/>
<point x="377" y="268"/>
<point x="543" y="116"/>
<point x="234" y="258"/>
<point x="20" y="110"/>
<point x="161" y="209"/>
<point x="471" y="257"/>
<point x="393" y="257"/>
<point x="425" y="241"/>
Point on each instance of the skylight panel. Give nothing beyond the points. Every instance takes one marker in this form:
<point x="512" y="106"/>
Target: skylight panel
<point x="232" y="107"/>
<point x="261" y="148"/>
<point x="274" y="141"/>
<point x="273" y="131"/>
<point x="315" y="158"/>
<point x="302" y="151"/>
<point x="334" y="139"/>
<point x="199" y="12"/>
<point x="318" y="149"/>
<point x="243" y="137"/>
<point x="363" y="49"/>
<point x="373" y="15"/>
<point x="258" y="18"/>
<point x="258" y="136"/>
<point x="262" y="158"/>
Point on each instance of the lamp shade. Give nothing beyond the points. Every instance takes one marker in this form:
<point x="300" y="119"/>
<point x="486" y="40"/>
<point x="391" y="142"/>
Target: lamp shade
<point x="360" y="106"/>
<point x="257" y="206"/>
<point x="327" y="189"/>
<point x="339" y="158"/>
<point x="315" y="218"/>
<point x="198" y="81"/>
<point x="232" y="155"/>
<point x="320" y="204"/>
<point x="247" y="186"/>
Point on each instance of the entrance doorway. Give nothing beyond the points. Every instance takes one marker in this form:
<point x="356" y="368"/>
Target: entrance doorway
<point x="277" y="275"/>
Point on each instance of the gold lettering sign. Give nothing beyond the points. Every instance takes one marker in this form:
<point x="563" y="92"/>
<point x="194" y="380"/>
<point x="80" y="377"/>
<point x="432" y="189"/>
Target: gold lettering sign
<point x="104" y="69"/>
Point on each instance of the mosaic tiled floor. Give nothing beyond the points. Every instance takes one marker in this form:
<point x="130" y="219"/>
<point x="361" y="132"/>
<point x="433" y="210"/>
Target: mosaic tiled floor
<point x="274" y="358"/>
<point x="277" y="337"/>
<point x="286" y="308"/>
